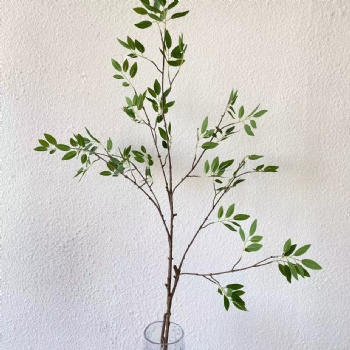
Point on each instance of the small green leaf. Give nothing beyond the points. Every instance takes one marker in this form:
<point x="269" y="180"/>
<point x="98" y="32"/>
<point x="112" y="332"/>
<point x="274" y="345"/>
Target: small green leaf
<point x="50" y="139"/>
<point x="143" y="24"/>
<point x="287" y="246"/>
<point x="109" y="145"/>
<point x="168" y="40"/>
<point x="254" y="157"/>
<point x="215" y="164"/>
<point x="234" y="286"/>
<point x="83" y="158"/>
<point x="69" y="155"/>
<point x="241" y="217"/>
<point x="288" y="273"/>
<point x="206" y="166"/>
<point x="256" y="239"/>
<point x="248" y="130"/>
<point x="133" y="70"/>
<point x="282" y="269"/>
<point x="271" y="169"/>
<point x="230" y="227"/>
<point x="302" y="250"/>
<point x="220" y="212"/>
<point x="140" y="11"/>
<point x="253" y="247"/>
<point x="44" y="143"/>
<point x="253" y="228"/>
<point x="176" y="63"/>
<point x="125" y="65"/>
<point x="94" y="138"/>
<point x="226" y="303"/>
<point x="204" y="125"/>
<point x="157" y="87"/>
<point x="230" y="210"/>
<point x="62" y="147"/>
<point x="241" y="233"/>
<point x="241" y="112"/>
<point x="106" y="173"/>
<point x="163" y="134"/>
<point x="40" y="149"/>
<point x="209" y="145"/>
<point x="116" y="65"/>
<point x="123" y="43"/>
<point x="293" y="270"/>
<point x="259" y="114"/>
<point x="179" y="14"/>
<point x="139" y="46"/>
<point x="291" y="250"/>
<point x="311" y="264"/>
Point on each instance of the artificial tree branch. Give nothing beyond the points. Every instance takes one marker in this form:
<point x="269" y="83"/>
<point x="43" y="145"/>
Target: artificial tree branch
<point x="210" y="274"/>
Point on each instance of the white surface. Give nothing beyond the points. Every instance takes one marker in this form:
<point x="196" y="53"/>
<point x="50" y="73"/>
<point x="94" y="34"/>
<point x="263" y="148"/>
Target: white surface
<point x="84" y="263"/>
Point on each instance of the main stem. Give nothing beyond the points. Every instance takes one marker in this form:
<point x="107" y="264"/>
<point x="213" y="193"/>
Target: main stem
<point x="170" y="192"/>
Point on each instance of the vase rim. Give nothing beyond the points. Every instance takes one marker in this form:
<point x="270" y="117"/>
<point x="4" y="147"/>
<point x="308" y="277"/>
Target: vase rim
<point x="158" y="343"/>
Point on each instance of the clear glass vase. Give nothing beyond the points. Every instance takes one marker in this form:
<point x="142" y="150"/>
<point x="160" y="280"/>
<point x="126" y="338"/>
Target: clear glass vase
<point x="152" y="336"/>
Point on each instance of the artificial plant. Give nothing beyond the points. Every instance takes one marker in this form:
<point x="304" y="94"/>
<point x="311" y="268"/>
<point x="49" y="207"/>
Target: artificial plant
<point x="152" y="109"/>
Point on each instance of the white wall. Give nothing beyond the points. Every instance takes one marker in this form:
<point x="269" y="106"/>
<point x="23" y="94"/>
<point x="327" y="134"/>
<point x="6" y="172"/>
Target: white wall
<point x="84" y="263"/>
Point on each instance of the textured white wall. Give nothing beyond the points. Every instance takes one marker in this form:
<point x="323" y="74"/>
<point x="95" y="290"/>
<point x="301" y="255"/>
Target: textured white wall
<point x="84" y="263"/>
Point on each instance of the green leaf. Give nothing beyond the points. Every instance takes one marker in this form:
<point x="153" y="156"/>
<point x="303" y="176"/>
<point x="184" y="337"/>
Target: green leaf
<point x="176" y="63"/>
<point x="106" y="173"/>
<point x="220" y="212"/>
<point x="256" y="239"/>
<point x="168" y="40"/>
<point x="288" y="274"/>
<point x="259" y="114"/>
<point x="287" y="246"/>
<point x="241" y="217"/>
<point x="230" y="227"/>
<point x="253" y="123"/>
<point x="311" y="264"/>
<point x="230" y="210"/>
<point x="215" y="164"/>
<point x="44" y="143"/>
<point x="254" y="157"/>
<point x="173" y="4"/>
<point x="143" y="24"/>
<point x="224" y="165"/>
<point x="50" y="139"/>
<point x="40" y="149"/>
<point x="204" y="125"/>
<point x="253" y="247"/>
<point x="84" y="158"/>
<point x="241" y="233"/>
<point x="282" y="269"/>
<point x="253" y="227"/>
<point x="69" y="155"/>
<point x="241" y="112"/>
<point x="116" y="65"/>
<point x="140" y="11"/>
<point x="133" y="70"/>
<point x="125" y="65"/>
<point x="109" y="145"/>
<point x="179" y="14"/>
<point x="123" y="43"/>
<point x="248" y="130"/>
<point x="62" y="147"/>
<point x="226" y="303"/>
<point x="206" y="166"/>
<point x="291" y="250"/>
<point x="302" y="250"/>
<point x="300" y="270"/>
<point x="139" y="46"/>
<point x="271" y="169"/>
<point x="94" y="138"/>
<point x="157" y="87"/>
<point x="234" y="286"/>
<point x="209" y="145"/>
<point x="163" y="134"/>
<point x="293" y="270"/>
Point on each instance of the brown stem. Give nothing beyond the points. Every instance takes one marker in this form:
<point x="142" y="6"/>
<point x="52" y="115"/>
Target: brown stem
<point x="211" y="274"/>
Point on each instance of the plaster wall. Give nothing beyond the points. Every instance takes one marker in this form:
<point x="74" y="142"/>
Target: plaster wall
<point x="84" y="263"/>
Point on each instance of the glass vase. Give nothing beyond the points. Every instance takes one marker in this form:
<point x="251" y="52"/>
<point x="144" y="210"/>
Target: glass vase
<point x="152" y="336"/>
